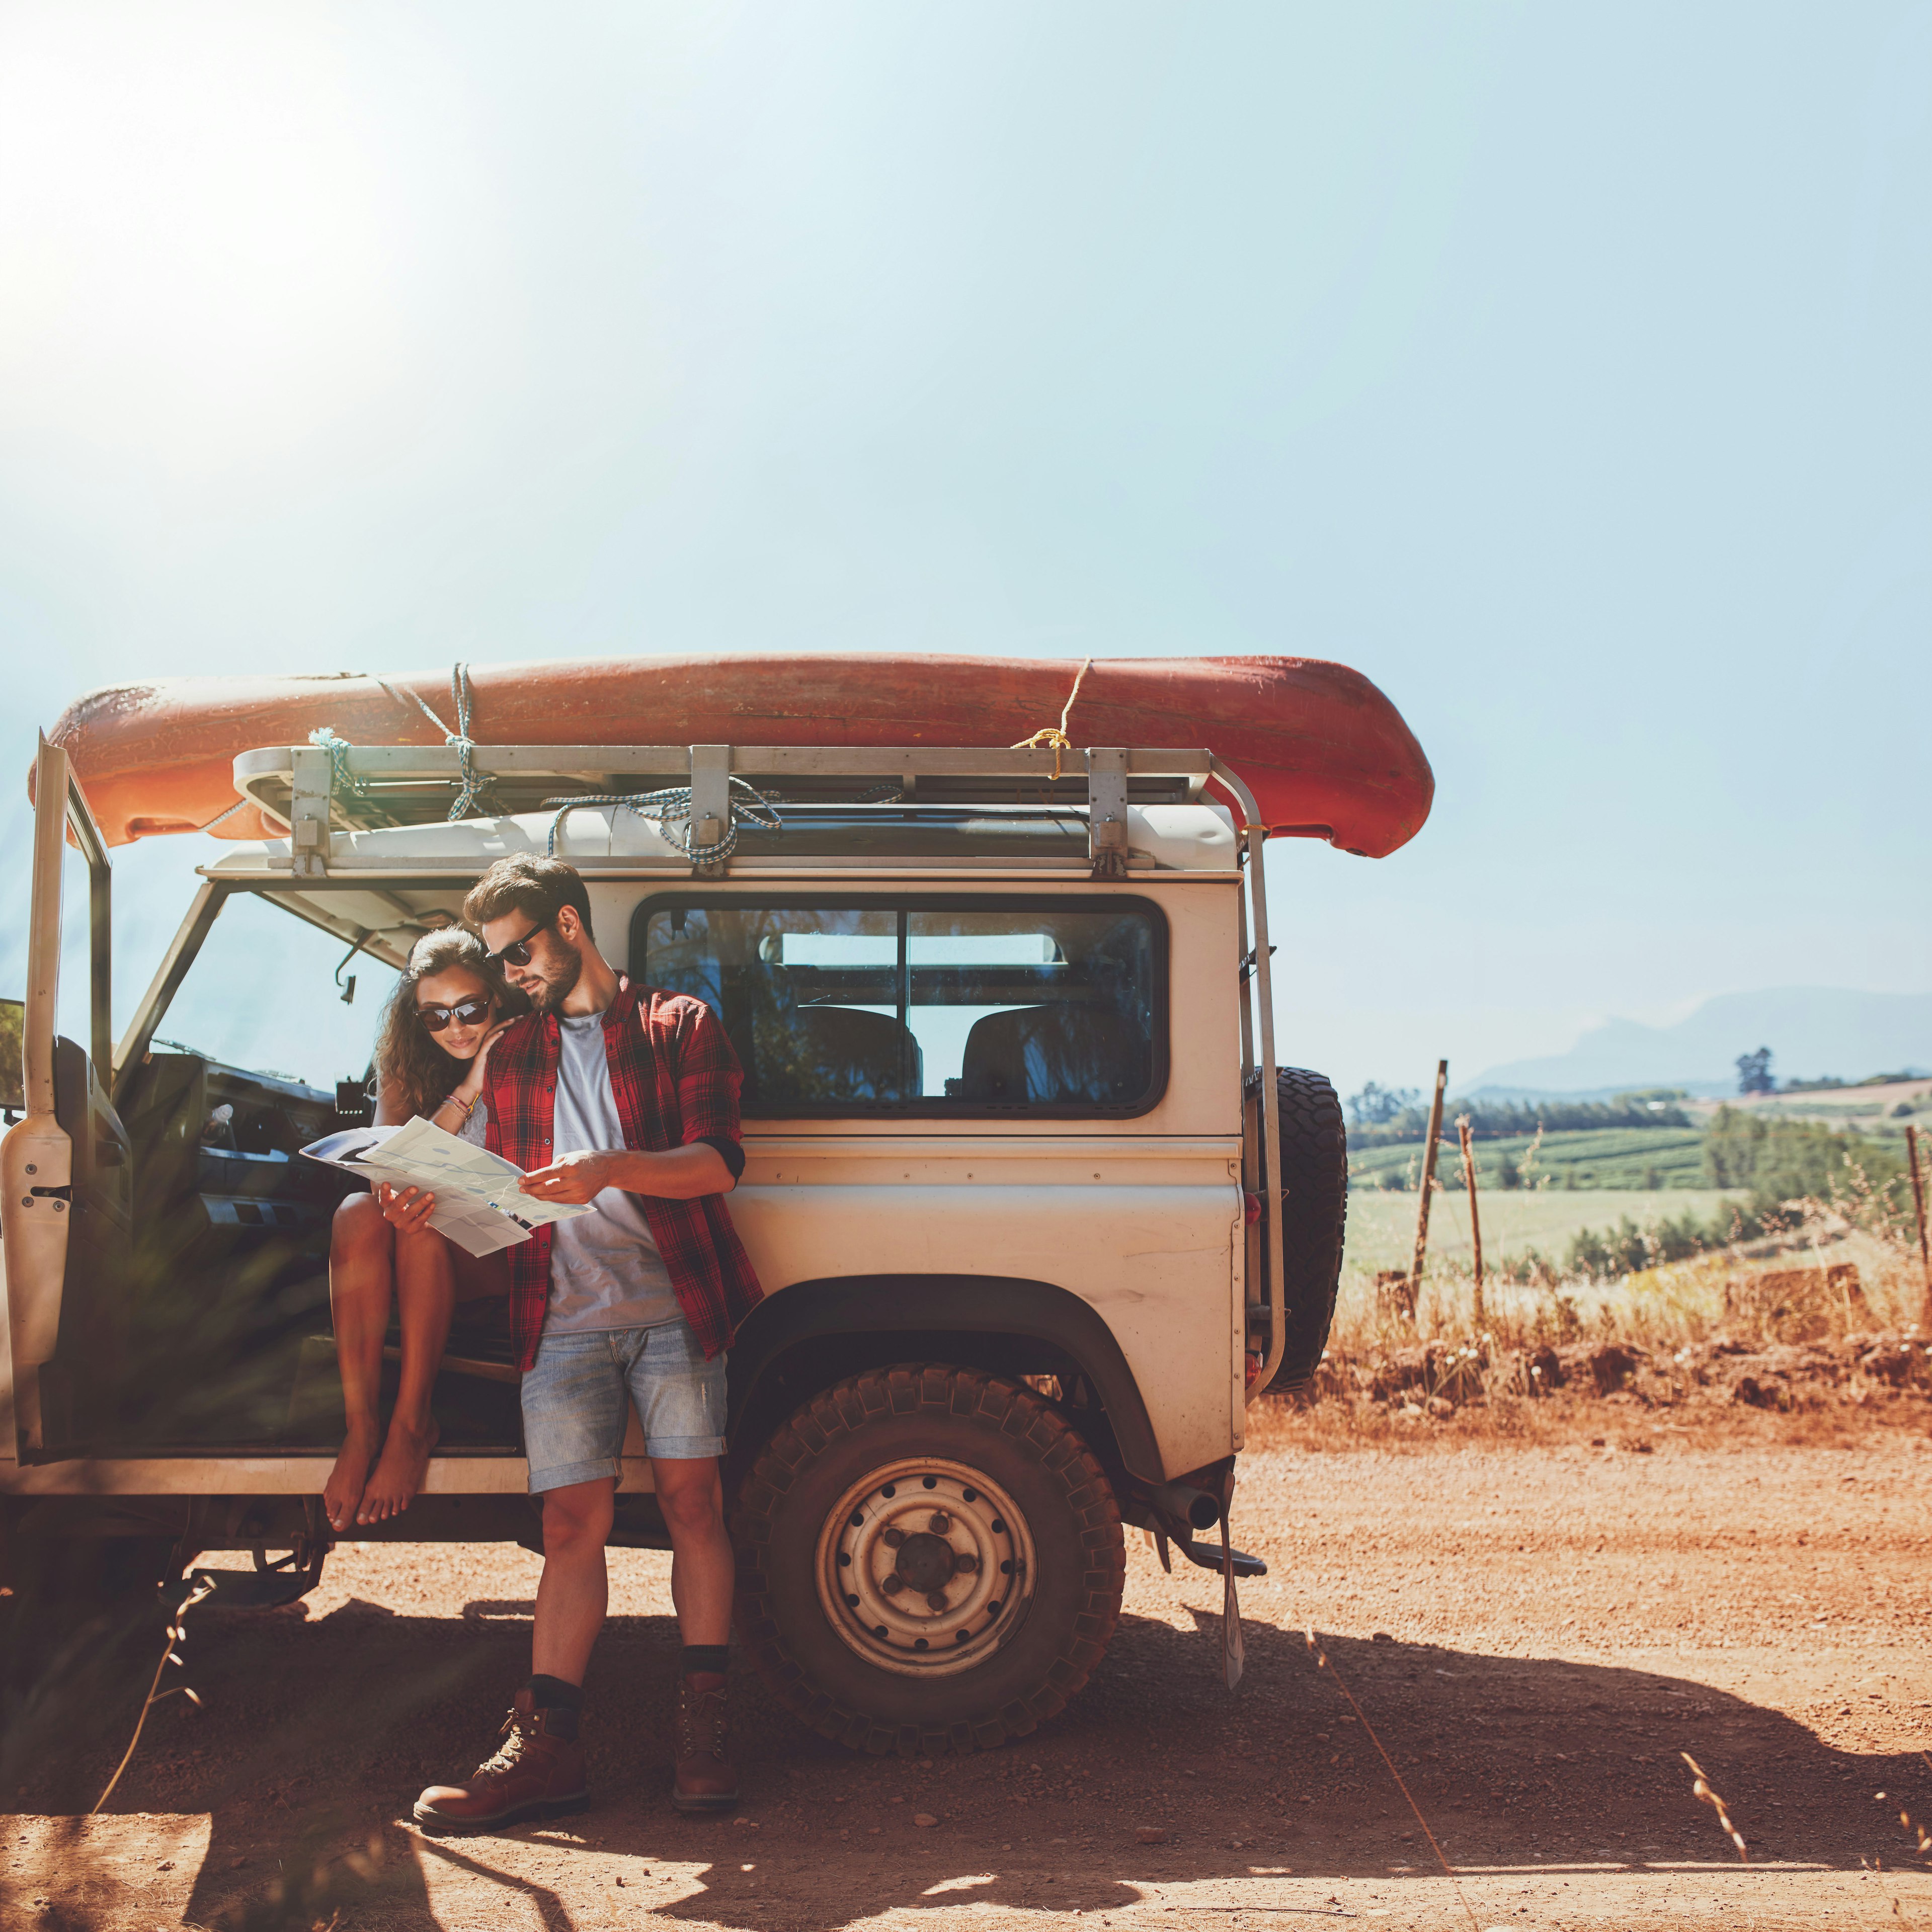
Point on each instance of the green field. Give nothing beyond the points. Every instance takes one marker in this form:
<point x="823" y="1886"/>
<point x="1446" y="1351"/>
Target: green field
<point x="1624" y="1159"/>
<point x="1382" y="1227"/>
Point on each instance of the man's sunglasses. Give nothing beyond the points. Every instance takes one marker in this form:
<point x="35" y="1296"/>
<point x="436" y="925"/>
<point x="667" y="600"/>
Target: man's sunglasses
<point x="518" y="953"/>
<point x="472" y="1012"/>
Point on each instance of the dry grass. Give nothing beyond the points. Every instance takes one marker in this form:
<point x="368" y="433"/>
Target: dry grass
<point x="1702" y="1791"/>
<point x="1660" y="1308"/>
<point x="1815" y="1338"/>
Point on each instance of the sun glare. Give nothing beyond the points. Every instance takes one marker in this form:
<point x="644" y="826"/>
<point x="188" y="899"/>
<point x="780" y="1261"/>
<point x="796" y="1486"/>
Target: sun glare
<point x="202" y="260"/>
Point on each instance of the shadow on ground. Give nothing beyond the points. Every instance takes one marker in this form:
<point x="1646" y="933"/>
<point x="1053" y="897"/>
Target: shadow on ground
<point x="314" y="1737"/>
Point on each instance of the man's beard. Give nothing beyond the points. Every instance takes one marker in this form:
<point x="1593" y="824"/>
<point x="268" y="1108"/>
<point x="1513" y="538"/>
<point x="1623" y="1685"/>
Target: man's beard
<point x="554" y="991"/>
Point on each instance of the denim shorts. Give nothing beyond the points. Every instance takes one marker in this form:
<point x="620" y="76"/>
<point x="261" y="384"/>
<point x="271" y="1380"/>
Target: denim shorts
<point x="578" y="1394"/>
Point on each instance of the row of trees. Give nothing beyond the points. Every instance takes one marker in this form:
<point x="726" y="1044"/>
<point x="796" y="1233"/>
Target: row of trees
<point x="1384" y="1116"/>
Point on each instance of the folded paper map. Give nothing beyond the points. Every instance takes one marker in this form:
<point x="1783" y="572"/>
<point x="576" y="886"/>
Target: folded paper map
<point x="478" y="1204"/>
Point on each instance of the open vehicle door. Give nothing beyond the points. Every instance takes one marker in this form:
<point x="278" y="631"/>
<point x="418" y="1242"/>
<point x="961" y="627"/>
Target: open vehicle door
<point x="66" y="1211"/>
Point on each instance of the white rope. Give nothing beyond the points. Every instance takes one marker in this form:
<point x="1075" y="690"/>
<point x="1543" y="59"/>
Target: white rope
<point x="671" y="807"/>
<point x="406" y="698"/>
<point x="222" y="818"/>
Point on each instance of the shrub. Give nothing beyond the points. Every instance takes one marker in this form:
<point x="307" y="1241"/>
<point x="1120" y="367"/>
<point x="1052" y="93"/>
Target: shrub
<point x="1792" y="1160"/>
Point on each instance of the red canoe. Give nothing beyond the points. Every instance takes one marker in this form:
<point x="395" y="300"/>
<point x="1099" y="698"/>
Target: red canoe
<point x="1325" y="753"/>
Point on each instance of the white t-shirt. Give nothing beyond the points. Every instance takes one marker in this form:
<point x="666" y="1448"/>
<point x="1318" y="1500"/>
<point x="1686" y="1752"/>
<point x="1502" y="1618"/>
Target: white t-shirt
<point x="605" y="1271"/>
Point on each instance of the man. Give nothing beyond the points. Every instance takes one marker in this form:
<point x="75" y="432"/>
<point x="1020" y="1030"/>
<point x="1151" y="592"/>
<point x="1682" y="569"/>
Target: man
<point x="626" y="1099"/>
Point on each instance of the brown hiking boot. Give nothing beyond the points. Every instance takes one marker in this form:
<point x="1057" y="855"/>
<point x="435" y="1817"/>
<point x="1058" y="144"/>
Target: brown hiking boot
<point x="532" y="1775"/>
<point x="706" y="1780"/>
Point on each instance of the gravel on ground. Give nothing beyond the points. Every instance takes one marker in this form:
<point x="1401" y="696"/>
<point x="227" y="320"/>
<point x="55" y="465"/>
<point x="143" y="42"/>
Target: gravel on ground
<point x="1536" y="1637"/>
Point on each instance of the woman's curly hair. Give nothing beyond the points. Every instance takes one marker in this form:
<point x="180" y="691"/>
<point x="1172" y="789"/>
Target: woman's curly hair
<point x="408" y="1057"/>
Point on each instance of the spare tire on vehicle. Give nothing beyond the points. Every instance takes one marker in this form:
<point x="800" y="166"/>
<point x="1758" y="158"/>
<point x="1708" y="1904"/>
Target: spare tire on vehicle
<point x="1314" y="1215"/>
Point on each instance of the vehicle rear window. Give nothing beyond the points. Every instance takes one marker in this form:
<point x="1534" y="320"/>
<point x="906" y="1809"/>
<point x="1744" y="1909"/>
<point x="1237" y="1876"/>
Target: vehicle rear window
<point x="953" y="1006"/>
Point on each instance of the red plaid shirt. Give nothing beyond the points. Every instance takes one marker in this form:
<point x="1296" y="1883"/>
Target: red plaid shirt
<point x="676" y="1081"/>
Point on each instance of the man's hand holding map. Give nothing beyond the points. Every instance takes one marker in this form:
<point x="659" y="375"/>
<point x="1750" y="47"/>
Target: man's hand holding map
<point x="478" y="1204"/>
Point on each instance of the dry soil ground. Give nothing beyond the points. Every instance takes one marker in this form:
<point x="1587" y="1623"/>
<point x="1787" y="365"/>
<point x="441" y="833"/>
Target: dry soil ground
<point x="1535" y="1633"/>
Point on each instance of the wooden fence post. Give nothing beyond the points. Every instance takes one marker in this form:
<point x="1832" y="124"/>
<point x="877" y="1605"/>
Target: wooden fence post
<point x="1918" y="1209"/>
<point x="1480" y="1313"/>
<point x="1428" y="1182"/>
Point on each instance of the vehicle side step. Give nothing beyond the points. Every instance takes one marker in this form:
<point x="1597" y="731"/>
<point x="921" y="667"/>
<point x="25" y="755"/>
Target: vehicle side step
<point x="258" y="1589"/>
<point x="1208" y="1556"/>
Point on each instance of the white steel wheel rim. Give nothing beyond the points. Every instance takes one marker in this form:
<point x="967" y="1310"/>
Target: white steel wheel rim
<point x="941" y="1616"/>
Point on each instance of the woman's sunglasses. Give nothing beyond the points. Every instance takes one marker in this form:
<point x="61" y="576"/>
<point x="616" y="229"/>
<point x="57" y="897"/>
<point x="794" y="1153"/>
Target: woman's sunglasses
<point x="472" y="1012"/>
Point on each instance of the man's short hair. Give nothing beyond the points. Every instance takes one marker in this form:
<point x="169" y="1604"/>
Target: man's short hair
<point x="539" y="888"/>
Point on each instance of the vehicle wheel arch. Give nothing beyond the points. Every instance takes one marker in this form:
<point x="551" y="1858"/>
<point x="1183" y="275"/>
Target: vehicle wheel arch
<point x="801" y="1339"/>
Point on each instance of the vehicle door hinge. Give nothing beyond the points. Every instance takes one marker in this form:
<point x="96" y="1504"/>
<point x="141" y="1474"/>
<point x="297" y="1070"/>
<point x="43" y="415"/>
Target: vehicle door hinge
<point x="1248" y="962"/>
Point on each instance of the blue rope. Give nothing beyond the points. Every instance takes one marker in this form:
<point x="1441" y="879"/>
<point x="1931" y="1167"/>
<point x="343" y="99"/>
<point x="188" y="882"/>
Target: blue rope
<point x="671" y="807"/>
<point x="469" y="787"/>
<point x="474" y="783"/>
<point x="340" y="777"/>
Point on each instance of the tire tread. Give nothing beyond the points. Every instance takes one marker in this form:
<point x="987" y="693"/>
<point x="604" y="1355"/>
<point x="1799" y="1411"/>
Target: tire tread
<point x="1038" y="1430"/>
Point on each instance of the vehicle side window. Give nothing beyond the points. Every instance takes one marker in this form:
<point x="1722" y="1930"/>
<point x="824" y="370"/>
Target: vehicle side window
<point x="933" y="1007"/>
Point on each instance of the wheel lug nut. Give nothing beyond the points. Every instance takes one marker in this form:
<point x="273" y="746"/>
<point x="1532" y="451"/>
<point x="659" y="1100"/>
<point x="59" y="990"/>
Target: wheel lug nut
<point x="893" y="1538"/>
<point x="964" y="1566"/>
<point x="937" y="1600"/>
<point x="940" y="1523"/>
<point x="893" y="1585"/>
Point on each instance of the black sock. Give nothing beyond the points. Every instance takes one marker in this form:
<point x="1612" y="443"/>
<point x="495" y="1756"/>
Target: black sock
<point x="564" y="1701"/>
<point x="699" y="1658"/>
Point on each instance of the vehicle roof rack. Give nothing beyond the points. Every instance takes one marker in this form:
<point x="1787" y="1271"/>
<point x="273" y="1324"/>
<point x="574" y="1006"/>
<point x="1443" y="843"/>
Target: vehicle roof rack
<point x="313" y="790"/>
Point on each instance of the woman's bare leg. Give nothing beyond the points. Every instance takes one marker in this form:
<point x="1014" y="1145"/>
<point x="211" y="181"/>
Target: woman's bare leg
<point x="361" y="1269"/>
<point x="425" y="1296"/>
<point x="479" y="1276"/>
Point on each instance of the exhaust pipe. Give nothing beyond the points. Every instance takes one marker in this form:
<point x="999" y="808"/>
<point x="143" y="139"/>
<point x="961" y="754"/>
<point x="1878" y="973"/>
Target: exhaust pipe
<point x="1194" y="1507"/>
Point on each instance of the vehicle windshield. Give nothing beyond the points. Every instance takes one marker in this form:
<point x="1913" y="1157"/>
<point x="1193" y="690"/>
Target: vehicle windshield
<point x="263" y="994"/>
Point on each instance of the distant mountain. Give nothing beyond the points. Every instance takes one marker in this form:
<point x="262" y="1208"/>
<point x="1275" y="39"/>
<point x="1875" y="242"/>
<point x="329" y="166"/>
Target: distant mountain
<point x="1811" y="1031"/>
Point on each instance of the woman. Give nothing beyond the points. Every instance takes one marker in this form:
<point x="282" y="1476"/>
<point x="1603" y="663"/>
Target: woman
<point x="447" y="1011"/>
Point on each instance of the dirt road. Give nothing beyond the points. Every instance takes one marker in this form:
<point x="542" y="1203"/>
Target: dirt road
<point x="1533" y="1634"/>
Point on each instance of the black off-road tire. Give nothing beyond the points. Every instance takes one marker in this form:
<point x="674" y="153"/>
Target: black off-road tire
<point x="1315" y="1218"/>
<point x="964" y="1418"/>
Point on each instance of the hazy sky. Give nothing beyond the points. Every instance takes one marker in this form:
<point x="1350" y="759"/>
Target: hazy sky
<point x="1563" y="368"/>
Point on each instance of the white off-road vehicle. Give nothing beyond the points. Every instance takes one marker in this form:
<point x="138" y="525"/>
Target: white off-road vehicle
<point x="1036" y="1216"/>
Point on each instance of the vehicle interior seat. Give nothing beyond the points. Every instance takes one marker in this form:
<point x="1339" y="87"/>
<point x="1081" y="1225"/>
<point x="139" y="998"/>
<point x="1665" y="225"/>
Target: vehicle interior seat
<point x="1062" y="1052"/>
<point x="821" y="1055"/>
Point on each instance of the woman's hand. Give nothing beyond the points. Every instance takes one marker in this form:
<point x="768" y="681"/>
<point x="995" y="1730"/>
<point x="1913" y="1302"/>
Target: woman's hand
<point x="472" y="1080"/>
<point x="406" y="1210"/>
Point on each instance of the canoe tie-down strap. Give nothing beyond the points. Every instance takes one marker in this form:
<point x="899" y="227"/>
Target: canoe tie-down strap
<point x="671" y="809"/>
<point x="1053" y="737"/>
<point x="470" y="785"/>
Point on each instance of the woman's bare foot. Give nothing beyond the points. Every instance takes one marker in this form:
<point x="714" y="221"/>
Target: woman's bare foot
<point x="400" y="1474"/>
<point x="342" y="1492"/>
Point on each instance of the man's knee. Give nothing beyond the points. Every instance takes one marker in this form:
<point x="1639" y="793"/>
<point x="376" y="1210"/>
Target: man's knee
<point x="695" y="1503"/>
<point x="573" y="1521"/>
